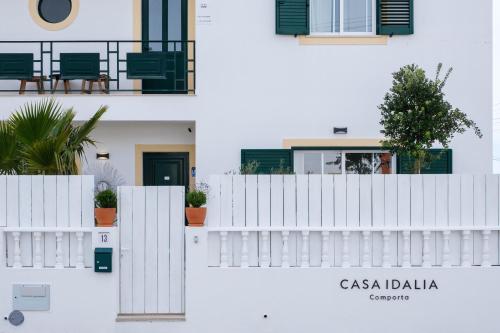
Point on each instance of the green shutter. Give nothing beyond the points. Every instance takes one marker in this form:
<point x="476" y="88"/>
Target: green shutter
<point x="440" y="164"/>
<point x="268" y="159"/>
<point x="292" y="17"/>
<point x="394" y="17"/>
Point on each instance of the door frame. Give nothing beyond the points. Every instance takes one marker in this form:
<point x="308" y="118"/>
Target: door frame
<point x="163" y="148"/>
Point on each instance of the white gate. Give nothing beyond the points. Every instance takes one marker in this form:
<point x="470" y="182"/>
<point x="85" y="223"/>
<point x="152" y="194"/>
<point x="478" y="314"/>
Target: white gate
<point x="151" y="222"/>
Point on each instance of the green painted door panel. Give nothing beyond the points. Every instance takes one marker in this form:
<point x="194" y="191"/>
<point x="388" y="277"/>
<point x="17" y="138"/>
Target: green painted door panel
<point x="150" y="65"/>
<point x="16" y="66"/>
<point x="164" y="29"/>
<point x="166" y="169"/>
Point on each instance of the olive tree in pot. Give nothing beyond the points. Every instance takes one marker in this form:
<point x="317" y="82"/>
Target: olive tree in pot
<point x="195" y="213"/>
<point x="105" y="208"/>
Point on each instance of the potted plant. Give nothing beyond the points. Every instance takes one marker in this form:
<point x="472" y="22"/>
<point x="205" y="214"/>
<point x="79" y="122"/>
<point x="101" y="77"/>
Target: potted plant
<point x="195" y="213"/>
<point x="105" y="208"/>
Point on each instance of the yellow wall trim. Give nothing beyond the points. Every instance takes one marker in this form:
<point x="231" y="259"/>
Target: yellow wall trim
<point x="342" y="40"/>
<point x="33" y="8"/>
<point x="289" y="143"/>
<point x="161" y="148"/>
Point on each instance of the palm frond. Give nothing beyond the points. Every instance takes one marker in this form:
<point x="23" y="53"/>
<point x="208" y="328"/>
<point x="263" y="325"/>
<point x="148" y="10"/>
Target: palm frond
<point x="36" y="121"/>
<point x="8" y="150"/>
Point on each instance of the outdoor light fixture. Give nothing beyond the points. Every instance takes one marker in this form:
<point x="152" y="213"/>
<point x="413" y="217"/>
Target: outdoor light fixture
<point x="102" y="156"/>
<point x="340" y="130"/>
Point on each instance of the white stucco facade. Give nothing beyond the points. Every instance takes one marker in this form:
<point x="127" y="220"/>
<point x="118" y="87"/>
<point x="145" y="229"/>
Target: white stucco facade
<point x="255" y="88"/>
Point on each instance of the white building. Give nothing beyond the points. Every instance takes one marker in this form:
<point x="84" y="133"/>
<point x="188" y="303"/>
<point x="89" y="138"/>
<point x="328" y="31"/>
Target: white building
<point x="250" y="84"/>
<point x="292" y="84"/>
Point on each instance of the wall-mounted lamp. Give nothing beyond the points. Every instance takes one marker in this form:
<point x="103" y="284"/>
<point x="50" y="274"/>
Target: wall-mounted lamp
<point x="340" y="130"/>
<point x="102" y="156"/>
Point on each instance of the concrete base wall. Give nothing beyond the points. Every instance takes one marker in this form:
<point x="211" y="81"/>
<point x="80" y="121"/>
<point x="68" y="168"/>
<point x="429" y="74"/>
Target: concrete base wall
<point x="269" y="300"/>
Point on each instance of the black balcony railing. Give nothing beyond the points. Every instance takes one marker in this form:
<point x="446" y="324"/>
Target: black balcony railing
<point x="98" y="66"/>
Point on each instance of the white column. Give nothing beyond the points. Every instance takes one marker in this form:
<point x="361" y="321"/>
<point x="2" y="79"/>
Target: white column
<point x="406" y="249"/>
<point x="223" y="249"/>
<point x="486" y="249"/>
<point x="59" y="250"/>
<point x="244" y="249"/>
<point x="17" y="250"/>
<point x="465" y="249"/>
<point x="366" y="249"/>
<point x="285" y="260"/>
<point x="37" y="255"/>
<point x="386" y="255"/>
<point x="325" y="256"/>
<point x="345" y="249"/>
<point x="304" y="262"/>
<point x="446" y="249"/>
<point x="79" y="250"/>
<point x="265" y="258"/>
<point x="426" y="255"/>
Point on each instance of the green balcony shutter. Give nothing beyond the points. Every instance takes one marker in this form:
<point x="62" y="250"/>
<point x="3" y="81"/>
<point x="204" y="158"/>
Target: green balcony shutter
<point x="394" y="17"/>
<point x="268" y="159"/>
<point x="441" y="164"/>
<point x="292" y="17"/>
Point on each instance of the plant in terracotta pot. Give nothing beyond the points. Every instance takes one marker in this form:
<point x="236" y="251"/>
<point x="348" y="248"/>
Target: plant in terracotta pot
<point x="195" y="213"/>
<point x="105" y="208"/>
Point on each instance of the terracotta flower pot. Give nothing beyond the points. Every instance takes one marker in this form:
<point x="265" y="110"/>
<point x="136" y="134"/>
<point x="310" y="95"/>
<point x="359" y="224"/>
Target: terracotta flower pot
<point x="105" y="217"/>
<point x="196" y="216"/>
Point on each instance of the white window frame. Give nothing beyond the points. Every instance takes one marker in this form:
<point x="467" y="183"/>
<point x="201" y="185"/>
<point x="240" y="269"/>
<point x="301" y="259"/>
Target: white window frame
<point x="343" y="153"/>
<point x="341" y="23"/>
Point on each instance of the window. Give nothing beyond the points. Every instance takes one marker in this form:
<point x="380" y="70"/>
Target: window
<point x="345" y="17"/>
<point x="54" y="11"/>
<point x="334" y="162"/>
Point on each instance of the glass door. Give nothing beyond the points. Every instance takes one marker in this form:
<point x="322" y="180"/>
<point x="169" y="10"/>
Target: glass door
<point x="164" y="29"/>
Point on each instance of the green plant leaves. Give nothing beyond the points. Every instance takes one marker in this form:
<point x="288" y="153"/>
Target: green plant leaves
<point x="41" y="138"/>
<point x="415" y="114"/>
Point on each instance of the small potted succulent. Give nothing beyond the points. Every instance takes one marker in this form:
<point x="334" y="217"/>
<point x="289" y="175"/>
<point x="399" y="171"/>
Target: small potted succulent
<point x="105" y="208"/>
<point x="195" y="213"/>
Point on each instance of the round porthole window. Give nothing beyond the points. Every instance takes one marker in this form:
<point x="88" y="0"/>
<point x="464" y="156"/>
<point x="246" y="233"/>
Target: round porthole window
<point x="54" y="11"/>
<point x="54" y="14"/>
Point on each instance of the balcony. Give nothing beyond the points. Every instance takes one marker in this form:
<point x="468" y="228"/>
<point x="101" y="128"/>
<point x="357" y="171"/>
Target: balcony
<point x="97" y="67"/>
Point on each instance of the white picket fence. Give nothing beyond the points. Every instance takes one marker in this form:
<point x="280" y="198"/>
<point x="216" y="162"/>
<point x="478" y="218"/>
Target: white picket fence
<point x="47" y="220"/>
<point x="353" y="220"/>
<point x="151" y="221"/>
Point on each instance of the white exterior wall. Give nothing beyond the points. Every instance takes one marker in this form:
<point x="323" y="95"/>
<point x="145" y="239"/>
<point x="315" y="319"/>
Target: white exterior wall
<point x="255" y="88"/>
<point x="119" y="140"/>
<point x="294" y="300"/>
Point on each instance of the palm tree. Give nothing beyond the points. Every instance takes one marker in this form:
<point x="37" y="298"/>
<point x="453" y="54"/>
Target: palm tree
<point x="41" y="138"/>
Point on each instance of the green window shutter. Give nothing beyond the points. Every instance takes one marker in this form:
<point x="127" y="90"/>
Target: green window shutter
<point x="268" y="159"/>
<point x="292" y="17"/>
<point x="442" y="163"/>
<point x="394" y="17"/>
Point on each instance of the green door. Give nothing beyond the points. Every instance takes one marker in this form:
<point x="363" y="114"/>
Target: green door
<point x="166" y="169"/>
<point x="164" y="29"/>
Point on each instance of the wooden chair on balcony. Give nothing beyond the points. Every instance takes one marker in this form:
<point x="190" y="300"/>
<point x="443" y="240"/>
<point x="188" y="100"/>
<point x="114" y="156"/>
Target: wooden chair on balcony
<point x="19" y="66"/>
<point x="34" y="79"/>
<point x="78" y="66"/>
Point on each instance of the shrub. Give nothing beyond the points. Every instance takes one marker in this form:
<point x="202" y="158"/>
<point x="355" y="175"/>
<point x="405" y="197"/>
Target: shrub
<point x="105" y="199"/>
<point x="196" y="198"/>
